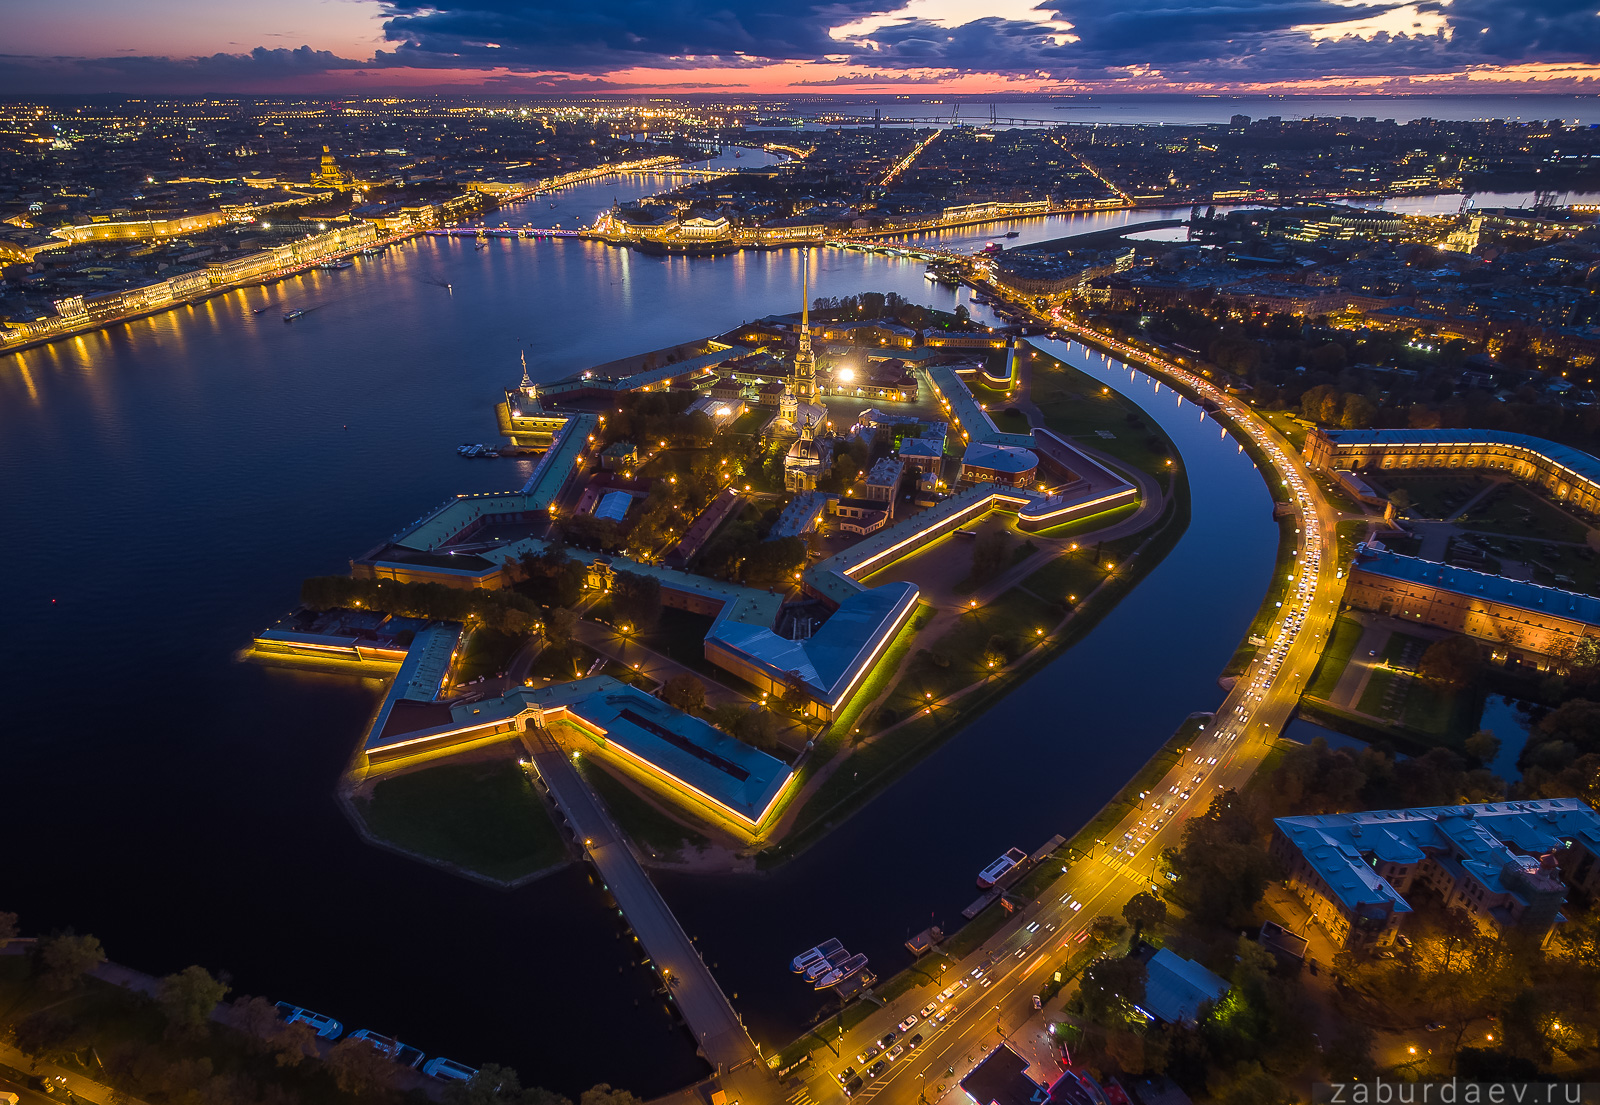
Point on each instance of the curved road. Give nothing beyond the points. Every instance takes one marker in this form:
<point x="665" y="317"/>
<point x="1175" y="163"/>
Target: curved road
<point x="994" y="986"/>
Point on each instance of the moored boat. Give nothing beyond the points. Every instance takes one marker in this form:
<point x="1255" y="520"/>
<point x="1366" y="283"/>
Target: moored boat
<point x="996" y="870"/>
<point x="820" y="952"/>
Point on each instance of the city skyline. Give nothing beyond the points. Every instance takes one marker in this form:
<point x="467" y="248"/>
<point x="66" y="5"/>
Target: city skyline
<point x="759" y="47"/>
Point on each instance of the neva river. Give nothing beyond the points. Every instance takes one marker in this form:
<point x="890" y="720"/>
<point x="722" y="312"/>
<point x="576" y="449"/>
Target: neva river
<point x="165" y="485"/>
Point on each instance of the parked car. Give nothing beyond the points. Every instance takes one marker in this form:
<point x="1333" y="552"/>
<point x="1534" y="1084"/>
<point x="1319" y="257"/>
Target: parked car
<point x="906" y="1024"/>
<point x="896" y="1051"/>
<point x="851" y="1087"/>
<point x="927" y="1010"/>
<point x="915" y="1042"/>
<point x="448" y="1070"/>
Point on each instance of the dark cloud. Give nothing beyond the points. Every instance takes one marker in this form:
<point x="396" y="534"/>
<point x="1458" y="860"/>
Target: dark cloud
<point x="261" y="69"/>
<point x="608" y="35"/>
<point x="1189" y="40"/>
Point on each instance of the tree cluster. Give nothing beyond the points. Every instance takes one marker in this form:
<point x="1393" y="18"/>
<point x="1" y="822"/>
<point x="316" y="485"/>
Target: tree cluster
<point x="505" y="610"/>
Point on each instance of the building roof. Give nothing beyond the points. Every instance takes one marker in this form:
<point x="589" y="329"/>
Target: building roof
<point x="966" y="412"/>
<point x="886" y="470"/>
<point x="834" y="659"/>
<point x="1374" y="559"/>
<point x="1573" y="460"/>
<point x="1002" y="1079"/>
<point x="613" y="506"/>
<point x="999" y="458"/>
<point x="1483" y="838"/>
<point x="1176" y="987"/>
<point x="731" y="773"/>
<point x="421" y="675"/>
<point x="800" y="514"/>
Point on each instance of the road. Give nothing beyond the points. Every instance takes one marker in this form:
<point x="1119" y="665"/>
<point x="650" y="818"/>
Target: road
<point x="994" y="986"/>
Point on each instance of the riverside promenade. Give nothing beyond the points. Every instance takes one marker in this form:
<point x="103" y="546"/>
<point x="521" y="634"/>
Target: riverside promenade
<point x="720" y="1034"/>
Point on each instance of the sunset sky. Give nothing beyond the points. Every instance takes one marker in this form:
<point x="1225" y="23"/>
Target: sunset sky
<point x="792" y="46"/>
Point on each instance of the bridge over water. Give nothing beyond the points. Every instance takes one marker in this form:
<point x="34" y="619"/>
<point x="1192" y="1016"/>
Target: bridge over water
<point x="717" y="1029"/>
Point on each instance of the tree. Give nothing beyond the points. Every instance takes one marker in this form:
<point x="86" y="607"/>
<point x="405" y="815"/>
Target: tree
<point x="1105" y="930"/>
<point x="989" y="555"/>
<point x="686" y="692"/>
<point x="494" y="1084"/>
<point x="1349" y="1053"/>
<point x="1482" y="747"/>
<point x="1144" y="911"/>
<point x="8" y="928"/>
<point x="1249" y="1085"/>
<point x="603" y="1094"/>
<point x="559" y="624"/>
<point x="257" y="1018"/>
<point x="757" y="728"/>
<point x="1400" y="498"/>
<point x="1453" y="663"/>
<point x="66" y="957"/>
<point x="1222" y="869"/>
<point x="1111" y="988"/>
<point x="294" y="1044"/>
<point x="636" y="601"/>
<point x="361" y="1069"/>
<point x="188" y="997"/>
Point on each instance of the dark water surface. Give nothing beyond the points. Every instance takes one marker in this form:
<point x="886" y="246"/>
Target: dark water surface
<point x="165" y="486"/>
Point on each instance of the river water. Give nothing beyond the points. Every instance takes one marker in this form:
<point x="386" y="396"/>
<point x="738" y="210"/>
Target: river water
<point x="166" y="484"/>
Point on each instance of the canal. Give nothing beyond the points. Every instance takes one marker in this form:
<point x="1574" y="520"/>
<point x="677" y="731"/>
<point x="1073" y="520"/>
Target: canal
<point x="166" y="485"/>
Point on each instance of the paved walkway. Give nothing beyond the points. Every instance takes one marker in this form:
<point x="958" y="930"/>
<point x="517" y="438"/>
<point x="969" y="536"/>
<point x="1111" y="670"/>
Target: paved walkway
<point x="721" y="1035"/>
<point x="1358" y="672"/>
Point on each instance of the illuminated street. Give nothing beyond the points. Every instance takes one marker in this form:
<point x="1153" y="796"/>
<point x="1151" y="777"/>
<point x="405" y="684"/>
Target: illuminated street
<point x="998" y="981"/>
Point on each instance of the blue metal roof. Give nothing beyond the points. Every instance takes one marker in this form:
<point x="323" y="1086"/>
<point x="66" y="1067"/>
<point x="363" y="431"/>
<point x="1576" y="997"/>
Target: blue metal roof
<point x="1491" y="588"/>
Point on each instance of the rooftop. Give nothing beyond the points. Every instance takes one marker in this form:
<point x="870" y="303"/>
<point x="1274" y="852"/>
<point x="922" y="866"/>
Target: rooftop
<point x="999" y="458"/>
<point x="1483" y="837"/>
<point x="1176" y="987"/>
<point x="1373" y="558"/>
<point x="1573" y="460"/>
<point x="832" y="661"/>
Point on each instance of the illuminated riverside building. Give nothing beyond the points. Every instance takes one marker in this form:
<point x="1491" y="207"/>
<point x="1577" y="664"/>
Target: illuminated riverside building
<point x="1523" y="622"/>
<point x="1570" y="476"/>
<point x="1507" y="864"/>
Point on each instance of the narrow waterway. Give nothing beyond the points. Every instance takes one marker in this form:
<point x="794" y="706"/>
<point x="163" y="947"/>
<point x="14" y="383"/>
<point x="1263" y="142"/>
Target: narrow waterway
<point x="166" y="484"/>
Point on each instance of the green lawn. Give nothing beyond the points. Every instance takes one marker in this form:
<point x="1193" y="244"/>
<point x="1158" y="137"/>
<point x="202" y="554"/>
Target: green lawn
<point x="1075" y="574"/>
<point x="1077" y="405"/>
<point x="1335" y="658"/>
<point x="1515" y="511"/>
<point x="484" y="817"/>
<point x="1435" y="496"/>
<point x="488" y="652"/>
<point x="648" y="826"/>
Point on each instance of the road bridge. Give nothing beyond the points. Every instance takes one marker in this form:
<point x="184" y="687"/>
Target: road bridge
<point x="717" y="1029"/>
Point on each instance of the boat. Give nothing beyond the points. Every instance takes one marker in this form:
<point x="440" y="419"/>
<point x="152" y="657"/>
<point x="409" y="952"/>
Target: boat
<point x="341" y="263"/>
<point x="448" y="1070"/>
<point x="373" y="251"/>
<point x="326" y="1028"/>
<point x="404" y="1054"/>
<point x="1013" y="233"/>
<point x="843" y="971"/>
<point x="290" y="316"/>
<point x="996" y="870"/>
<point x="821" y="951"/>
